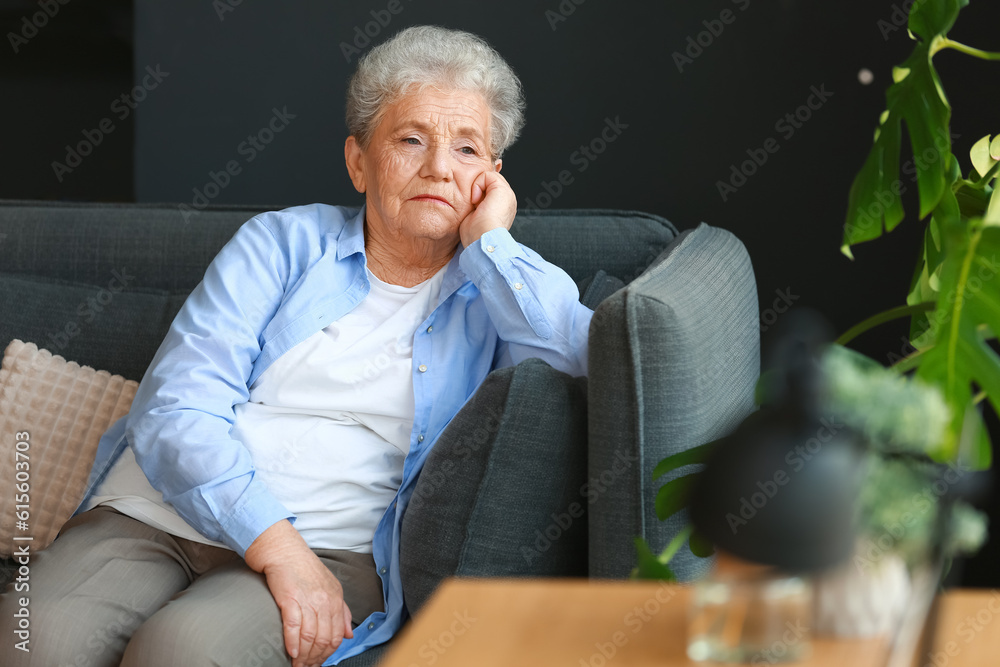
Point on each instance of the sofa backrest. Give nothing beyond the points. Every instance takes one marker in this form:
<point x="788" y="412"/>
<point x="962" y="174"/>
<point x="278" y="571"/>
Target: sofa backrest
<point x="100" y="283"/>
<point x="674" y="359"/>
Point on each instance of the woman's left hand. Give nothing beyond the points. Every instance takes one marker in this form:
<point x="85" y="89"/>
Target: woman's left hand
<point x="494" y="206"/>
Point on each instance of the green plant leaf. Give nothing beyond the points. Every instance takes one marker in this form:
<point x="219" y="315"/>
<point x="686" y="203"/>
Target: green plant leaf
<point x="927" y="281"/>
<point x="882" y="318"/>
<point x="960" y="356"/>
<point x="763" y="390"/>
<point x="649" y="566"/>
<point x="929" y="19"/>
<point x="688" y="457"/>
<point x="972" y="202"/>
<point x="700" y="547"/>
<point x="673" y="496"/>
<point x="917" y="99"/>
<point x="675" y="544"/>
<point x="872" y="202"/>
<point x="993" y="211"/>
<point x="982" y="160"/>
<point x="958" y="266"/>
<point x="909" y="362"/>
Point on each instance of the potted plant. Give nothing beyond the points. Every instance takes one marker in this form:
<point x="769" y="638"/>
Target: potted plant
<point x="954" y="299"/>
<point x="901" y="420"/>
<point x="953" y="303"/>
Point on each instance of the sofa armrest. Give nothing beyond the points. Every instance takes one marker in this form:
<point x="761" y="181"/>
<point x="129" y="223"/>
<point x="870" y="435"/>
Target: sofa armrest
<point x="674" y="358"/>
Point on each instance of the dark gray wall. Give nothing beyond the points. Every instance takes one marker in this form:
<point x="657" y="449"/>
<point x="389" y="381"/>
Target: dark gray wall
<point x="603" y="60"/>
<point x="685" y="130"/>
<point x="58" y="81"/>
<point x="688" y="121"/>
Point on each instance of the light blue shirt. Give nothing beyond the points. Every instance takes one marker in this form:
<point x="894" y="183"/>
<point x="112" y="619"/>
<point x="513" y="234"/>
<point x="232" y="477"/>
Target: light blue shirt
<point x="281" y="278"/>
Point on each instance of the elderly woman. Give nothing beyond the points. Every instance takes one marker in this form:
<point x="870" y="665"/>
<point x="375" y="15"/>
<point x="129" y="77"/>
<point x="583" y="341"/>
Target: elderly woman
<point x="248" y="508"/>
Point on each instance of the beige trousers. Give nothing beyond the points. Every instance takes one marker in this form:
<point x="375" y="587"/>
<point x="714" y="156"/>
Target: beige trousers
<point x="112" y="590"/>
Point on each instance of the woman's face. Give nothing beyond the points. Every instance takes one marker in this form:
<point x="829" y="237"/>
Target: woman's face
<point x="418" y="170"/>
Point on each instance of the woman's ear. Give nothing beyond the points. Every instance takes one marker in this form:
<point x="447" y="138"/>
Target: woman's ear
<point x="355" y="163"/>
<point x="497" y="166"/>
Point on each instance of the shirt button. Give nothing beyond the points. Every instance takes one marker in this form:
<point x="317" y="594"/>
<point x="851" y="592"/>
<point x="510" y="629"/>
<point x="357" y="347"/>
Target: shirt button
<point x="430" y="328"/>
<point x="371" y="626"/>
<point x="422" y="368"/>
<point x="383" y="570"/>
<point x="518" y="285"/>
<point x="490" y="248"/>
<point x="420" y="438"/>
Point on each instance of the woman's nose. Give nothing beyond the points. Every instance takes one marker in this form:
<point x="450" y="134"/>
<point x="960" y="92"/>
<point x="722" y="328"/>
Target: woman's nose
<point x="436" y="163"/>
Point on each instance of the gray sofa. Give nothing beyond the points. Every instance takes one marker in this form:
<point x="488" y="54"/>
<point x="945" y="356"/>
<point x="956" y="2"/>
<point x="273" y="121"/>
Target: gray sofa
<point x="540" y="474"/>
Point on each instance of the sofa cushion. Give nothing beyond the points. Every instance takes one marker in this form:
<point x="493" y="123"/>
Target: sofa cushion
<point x="673" y="361"/>
<point x="56" y="255"/>
<point x="80" y="242"/>
<point x="113" y="327"/>
<point x="64" y="408"/>
<point x="504" y="491"/>
<point x="597" y="288"/>
<point x="583" y="241"/>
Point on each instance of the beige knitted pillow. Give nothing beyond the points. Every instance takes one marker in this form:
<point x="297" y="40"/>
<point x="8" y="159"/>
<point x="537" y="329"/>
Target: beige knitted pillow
<point x="53" y="413"/>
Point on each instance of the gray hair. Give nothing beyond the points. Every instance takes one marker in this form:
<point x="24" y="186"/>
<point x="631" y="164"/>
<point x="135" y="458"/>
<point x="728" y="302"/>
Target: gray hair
<point x="424" y="56"/>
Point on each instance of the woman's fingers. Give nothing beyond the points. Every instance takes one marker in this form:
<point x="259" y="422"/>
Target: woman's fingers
<point x="478" y="189"/>
<point x="324" y="639"/>
<point x="307" y="637"/>
<point x="291" y="620"/>
<point x="348" y="631"/>
<point x="311" y="601"/>
<point x="494" y="205"/>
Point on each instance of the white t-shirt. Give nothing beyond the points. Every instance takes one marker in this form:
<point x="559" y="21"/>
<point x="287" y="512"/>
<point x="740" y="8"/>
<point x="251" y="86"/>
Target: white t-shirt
<point x="327" y="425"/>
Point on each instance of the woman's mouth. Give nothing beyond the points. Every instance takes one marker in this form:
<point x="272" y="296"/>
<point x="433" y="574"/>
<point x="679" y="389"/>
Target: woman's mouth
<point x="431" y="199"/>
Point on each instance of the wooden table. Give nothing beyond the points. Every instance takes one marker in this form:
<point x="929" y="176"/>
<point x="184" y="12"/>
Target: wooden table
<point x="580" y="623"/>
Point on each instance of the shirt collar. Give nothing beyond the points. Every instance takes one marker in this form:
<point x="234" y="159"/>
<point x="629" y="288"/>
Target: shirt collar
<point x="352" y="236"/>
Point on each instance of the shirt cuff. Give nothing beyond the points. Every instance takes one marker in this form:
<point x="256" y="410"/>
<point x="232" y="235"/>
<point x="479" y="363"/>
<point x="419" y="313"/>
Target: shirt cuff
<point x="497" y="263"/>
<point x="257" y="511"/>
<point x="492" y="252"/>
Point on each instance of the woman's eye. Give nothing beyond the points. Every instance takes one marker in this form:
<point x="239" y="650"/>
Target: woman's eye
<point x="468" y="150"/>
<point x="413" y="141"/>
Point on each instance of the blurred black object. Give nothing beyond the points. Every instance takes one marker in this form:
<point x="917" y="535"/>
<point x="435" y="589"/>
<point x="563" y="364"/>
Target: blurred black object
<point x="781" y="489"/>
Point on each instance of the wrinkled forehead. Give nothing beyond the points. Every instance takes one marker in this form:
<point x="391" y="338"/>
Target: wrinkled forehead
<point x="439" y="113"/>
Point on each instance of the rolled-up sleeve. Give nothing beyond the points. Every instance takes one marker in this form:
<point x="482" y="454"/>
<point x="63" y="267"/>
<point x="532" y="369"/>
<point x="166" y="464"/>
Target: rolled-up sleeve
<point x="534" y="304"/>
<point x="179" y="423"/>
